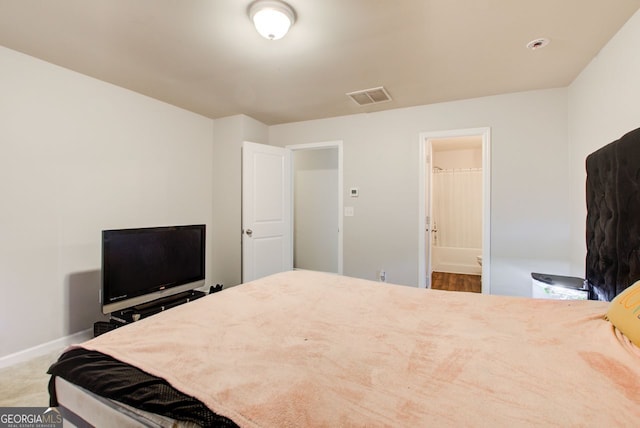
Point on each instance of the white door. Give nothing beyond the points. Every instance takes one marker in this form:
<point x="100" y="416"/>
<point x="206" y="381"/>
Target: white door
<point x="430" y="224"/>
<point x="266" y="211"/>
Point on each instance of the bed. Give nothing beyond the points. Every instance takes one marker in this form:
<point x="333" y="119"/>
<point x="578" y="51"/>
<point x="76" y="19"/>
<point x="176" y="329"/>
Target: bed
<point x="305" y="348"/>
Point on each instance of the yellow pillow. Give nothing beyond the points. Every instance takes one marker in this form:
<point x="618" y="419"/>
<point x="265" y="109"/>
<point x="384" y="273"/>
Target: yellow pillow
<point x="624" y="312"/>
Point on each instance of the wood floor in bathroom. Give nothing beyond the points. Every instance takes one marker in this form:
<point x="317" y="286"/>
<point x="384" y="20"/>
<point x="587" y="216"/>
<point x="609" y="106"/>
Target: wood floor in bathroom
<point x="456" y="282"/>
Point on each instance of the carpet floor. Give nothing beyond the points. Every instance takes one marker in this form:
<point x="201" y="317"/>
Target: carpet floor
<point x="25" y="384"/>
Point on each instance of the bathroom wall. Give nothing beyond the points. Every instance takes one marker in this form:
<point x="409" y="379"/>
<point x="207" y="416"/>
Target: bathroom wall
<point x="460" y="158"/>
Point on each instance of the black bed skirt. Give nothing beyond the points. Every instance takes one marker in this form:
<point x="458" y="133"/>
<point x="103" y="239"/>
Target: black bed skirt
<point x="113" y="379"/>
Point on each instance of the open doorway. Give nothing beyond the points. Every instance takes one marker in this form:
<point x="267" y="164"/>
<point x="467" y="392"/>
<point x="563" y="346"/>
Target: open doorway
<point x="454" y="210"/>
<point x="317" y="206"/>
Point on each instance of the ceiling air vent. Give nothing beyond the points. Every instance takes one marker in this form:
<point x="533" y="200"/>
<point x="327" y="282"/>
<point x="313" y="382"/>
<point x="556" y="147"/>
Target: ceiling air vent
<point x="370" y="96"/>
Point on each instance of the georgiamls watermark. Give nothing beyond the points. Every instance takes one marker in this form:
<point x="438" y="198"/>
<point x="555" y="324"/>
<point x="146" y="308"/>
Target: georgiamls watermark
<point x="30" y="417"/>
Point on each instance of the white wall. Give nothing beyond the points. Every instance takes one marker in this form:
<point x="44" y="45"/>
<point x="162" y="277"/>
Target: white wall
<point x="530" y="227"/>
<point x="604" y="104"/>
<point x="77" y="156"/>
<point x="229" y="133"/>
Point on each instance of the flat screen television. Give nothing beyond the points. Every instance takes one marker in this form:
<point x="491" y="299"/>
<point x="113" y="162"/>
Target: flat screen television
<point x="145" y="264"/>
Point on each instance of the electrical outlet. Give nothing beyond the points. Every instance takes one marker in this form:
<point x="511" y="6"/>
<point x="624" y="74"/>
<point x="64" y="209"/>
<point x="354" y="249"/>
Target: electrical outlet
<point x="382" y="276"/>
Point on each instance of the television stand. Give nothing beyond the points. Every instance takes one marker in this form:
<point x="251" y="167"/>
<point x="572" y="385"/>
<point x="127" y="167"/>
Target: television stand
<point x="138" y="312"/>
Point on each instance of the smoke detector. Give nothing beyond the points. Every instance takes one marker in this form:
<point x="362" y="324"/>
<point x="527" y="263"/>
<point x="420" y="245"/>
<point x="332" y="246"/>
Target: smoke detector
<point x="370" y="96"/>
<point x="538" y="43"/>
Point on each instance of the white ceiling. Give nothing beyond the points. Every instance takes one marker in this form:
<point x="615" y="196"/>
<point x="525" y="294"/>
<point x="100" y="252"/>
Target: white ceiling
<point x="205" y="56"/>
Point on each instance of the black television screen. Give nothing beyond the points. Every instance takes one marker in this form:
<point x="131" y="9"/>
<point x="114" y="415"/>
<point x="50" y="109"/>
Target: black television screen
<point x="141" y="265"/>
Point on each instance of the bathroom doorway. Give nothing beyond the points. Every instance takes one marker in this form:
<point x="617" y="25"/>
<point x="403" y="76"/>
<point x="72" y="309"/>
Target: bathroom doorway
<point x="454" y="226"/>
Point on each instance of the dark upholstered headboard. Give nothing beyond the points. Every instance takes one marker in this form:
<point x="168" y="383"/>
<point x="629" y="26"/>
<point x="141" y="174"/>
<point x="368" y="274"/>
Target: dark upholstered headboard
<point x="613" y="217"/>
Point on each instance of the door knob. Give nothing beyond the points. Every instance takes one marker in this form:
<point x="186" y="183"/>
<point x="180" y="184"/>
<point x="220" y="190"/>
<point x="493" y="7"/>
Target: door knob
<point x="249" y="232"/>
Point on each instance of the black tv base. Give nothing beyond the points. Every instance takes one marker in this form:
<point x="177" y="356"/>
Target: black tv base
<point x="101" y="327"/>
<point x="139" y="312"/>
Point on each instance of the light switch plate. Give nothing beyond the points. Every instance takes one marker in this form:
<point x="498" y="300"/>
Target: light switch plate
<point x="348" y="211"/>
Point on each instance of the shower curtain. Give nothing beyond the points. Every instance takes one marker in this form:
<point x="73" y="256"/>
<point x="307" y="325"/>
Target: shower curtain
<point x="457" y="208"/>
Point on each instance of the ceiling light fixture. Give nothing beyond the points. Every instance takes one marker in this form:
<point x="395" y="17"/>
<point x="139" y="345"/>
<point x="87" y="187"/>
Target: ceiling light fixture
<point x="272" y="18"/>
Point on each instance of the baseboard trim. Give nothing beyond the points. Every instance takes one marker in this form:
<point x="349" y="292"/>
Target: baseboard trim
<point x="45" y="348"/>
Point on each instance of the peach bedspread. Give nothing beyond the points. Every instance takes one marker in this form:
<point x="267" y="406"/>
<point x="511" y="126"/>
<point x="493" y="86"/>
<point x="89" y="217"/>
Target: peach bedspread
<point x="306" y="349"/>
